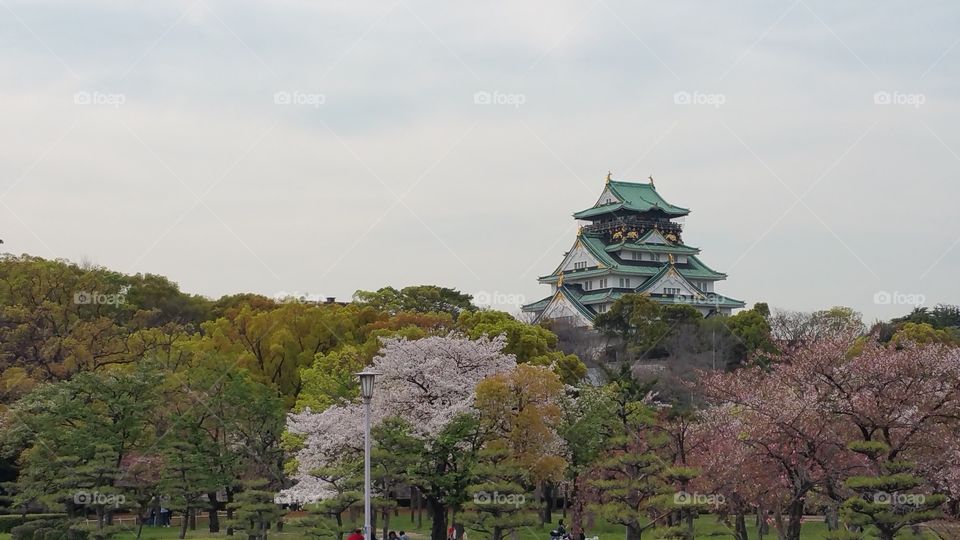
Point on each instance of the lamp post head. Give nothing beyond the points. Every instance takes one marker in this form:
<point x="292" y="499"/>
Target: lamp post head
<point x="366" y="383"/>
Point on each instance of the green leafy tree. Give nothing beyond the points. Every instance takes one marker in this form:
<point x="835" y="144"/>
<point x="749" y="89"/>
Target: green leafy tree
<point x="419" y="298"/>
<point x="344" y="482"/>
<point x="499" y="500"/>
<point x="391" y="459"/>
<point x="254" y="510"/>
<point x="639" y="323"/>
<point x="887" y="500"/>
<point x="630" y="477"/>
<point x="531" y="344"/>
<point x="187" y="475"/>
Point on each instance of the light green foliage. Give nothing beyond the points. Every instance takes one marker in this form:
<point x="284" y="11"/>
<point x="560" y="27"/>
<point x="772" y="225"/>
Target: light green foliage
<point x="531" y="344"/>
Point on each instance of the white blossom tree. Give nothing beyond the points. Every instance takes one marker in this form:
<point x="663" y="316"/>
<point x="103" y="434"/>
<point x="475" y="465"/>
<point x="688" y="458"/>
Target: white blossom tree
<point x="427" y="382"/>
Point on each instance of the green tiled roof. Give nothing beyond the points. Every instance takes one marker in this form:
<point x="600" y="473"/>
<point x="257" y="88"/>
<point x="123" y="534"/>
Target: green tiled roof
<point x="539" y="305"/>
<point x="679" y="249"/>
<point x="692" y="269"/>
<point x="636" y="197"/>
<point x="710" y="300"/>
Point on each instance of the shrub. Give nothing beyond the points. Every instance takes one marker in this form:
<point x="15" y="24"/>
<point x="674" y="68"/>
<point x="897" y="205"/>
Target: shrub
<point x="8" y="522"/>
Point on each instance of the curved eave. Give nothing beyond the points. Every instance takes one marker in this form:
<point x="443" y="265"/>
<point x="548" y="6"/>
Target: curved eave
<point x="653" y="248"/>
<point x="629" y="191"/>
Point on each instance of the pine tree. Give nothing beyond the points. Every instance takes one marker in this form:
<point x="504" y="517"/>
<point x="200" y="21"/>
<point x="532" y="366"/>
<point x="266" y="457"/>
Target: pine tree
<point x="344" y="482"/>
<point x="499" y="499"/>
<point x="186" y="479"/>
<point x="629" y="479"/>
<point x="887" y="500"/>
<point x="254" y="510"/>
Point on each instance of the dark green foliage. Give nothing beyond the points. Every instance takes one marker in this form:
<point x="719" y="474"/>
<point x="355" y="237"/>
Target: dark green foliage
<point x="419" y="298"/>
<point x="8" y="522"/>
<point x="500" y="502"/>
<point x="254" y="510"/>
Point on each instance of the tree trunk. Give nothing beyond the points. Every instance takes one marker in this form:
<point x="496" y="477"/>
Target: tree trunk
<point x="633" y="532"/>
<point x="497" y="533"/>
<point x="212" y="517"/>
<point x="831" y="516"/>
<point x="193" y="519"/>
<point x="795" y="517"/>
<point x="229" y="511"/>
<point x="547" y="503"/>
<point x="885" y="533"/>
<point x="386" y="523"/>
<point x="414" y="503"/>
<point x="740" y="529"/>
<point x="339" y="517"/>
<point x="438" y="529"/>
<point x="183" y="523"/>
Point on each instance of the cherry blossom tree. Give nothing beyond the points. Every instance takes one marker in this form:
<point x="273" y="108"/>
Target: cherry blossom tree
<point x="869" y="425"/>
<point x="429" y="384"/>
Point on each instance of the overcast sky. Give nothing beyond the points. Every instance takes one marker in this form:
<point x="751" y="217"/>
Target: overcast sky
<point x="327" y="146"/>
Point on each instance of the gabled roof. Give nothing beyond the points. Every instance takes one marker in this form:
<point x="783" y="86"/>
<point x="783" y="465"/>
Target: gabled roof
<point x="634" y="197"/>
<point x="564" y="293"/>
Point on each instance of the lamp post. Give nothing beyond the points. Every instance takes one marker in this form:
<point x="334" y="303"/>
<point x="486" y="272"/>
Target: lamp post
<point x="366" y="392"/>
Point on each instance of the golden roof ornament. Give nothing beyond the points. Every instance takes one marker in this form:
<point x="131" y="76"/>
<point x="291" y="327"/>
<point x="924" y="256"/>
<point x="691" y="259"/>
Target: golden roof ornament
<point x="651" y="179"/>
<point x="670" y="256"/>
<point x="609" y="174"/>
<point x="560" y="281"/>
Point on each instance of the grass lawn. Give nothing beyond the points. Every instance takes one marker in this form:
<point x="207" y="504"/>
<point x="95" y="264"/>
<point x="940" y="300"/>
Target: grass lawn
<point x="706" y="527"/>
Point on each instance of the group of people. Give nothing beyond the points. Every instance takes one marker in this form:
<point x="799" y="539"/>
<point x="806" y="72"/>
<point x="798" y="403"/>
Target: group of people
<point x="560" y="533"/>
<point x="357" y="534"/>
<point x="159" y="519"/>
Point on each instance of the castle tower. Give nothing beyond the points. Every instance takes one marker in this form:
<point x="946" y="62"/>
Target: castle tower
<point x="631" y="244"/>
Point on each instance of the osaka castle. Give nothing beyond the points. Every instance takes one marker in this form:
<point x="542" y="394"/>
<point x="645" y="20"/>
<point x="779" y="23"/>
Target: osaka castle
<point x="630" y="242"/>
